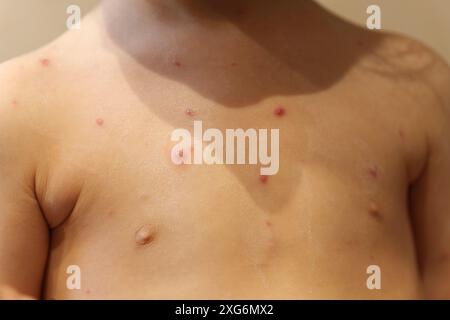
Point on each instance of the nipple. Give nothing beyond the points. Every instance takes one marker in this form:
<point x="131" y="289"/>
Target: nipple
<point x="145" y="234"/>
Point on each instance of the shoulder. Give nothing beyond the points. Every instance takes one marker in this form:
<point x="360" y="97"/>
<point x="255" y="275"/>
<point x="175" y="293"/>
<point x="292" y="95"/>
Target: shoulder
<point x="39" y="90"/>
<point x="40" y="123"/>
<point x="29" y="117"/>
<point x="406" y="60"/>
<point x="413" y="70"/>
<point x="19" y="85"/>
<point x="18" y="140"/>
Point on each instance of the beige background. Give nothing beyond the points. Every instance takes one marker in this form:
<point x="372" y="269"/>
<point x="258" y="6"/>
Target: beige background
<point x="28" y="24"/>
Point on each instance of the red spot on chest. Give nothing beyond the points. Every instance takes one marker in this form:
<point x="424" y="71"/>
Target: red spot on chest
<point x="44" y="62"/>
<point x="177" y="64"/>
<point x="279" y="112"/>
<point x="183" y="156"/>
<point x="99" y="122"/>
<point x="373" y="172"/>
<point x="263" y="179"/>
<point x="189" y="112"/>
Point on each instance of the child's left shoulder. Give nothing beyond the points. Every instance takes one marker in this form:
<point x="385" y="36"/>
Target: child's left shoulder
<point x="411" y="61"/>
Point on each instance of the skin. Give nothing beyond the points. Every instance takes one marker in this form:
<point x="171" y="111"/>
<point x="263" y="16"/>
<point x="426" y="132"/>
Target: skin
<point x="86" y="176"/>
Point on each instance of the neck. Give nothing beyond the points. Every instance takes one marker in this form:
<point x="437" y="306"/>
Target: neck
<point x="220" y="46"/>
<point x="203" y="11"/>
<point x="134" y="23"/>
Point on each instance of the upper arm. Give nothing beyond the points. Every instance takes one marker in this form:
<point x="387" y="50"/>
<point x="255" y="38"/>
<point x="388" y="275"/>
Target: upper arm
<point x="24" y="235"/>
<point x="431" y="193"/>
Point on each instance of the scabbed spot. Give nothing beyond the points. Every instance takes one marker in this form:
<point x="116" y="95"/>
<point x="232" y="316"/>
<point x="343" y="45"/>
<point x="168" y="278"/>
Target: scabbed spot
<point x="279" y="111"/>
<point x="263" y="179"/>
<point x="373" y="172"/>
<point x="183" y="156"/>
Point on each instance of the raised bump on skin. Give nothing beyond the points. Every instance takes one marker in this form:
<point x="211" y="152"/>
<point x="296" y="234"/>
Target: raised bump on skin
<point x="44" y="62"/>
<point x="99" y="122"/>
<point x="263" y="179"/>
<point x="189" y="112"/>
<point x="373" y="172"/>
<point x="145" y="234"/>
<point x="279" y="111"/>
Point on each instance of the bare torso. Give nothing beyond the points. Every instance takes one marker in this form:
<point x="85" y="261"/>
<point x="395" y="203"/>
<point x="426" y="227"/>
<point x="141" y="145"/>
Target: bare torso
<point x="351" y="143"/>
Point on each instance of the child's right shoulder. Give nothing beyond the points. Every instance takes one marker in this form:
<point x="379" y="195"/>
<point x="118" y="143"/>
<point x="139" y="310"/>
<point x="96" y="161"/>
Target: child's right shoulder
<point x="25" y="94"/>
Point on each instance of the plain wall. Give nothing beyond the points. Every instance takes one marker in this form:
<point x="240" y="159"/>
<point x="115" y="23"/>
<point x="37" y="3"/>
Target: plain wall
<point x="424" y="20"/>
<point x="28" y="24"/>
